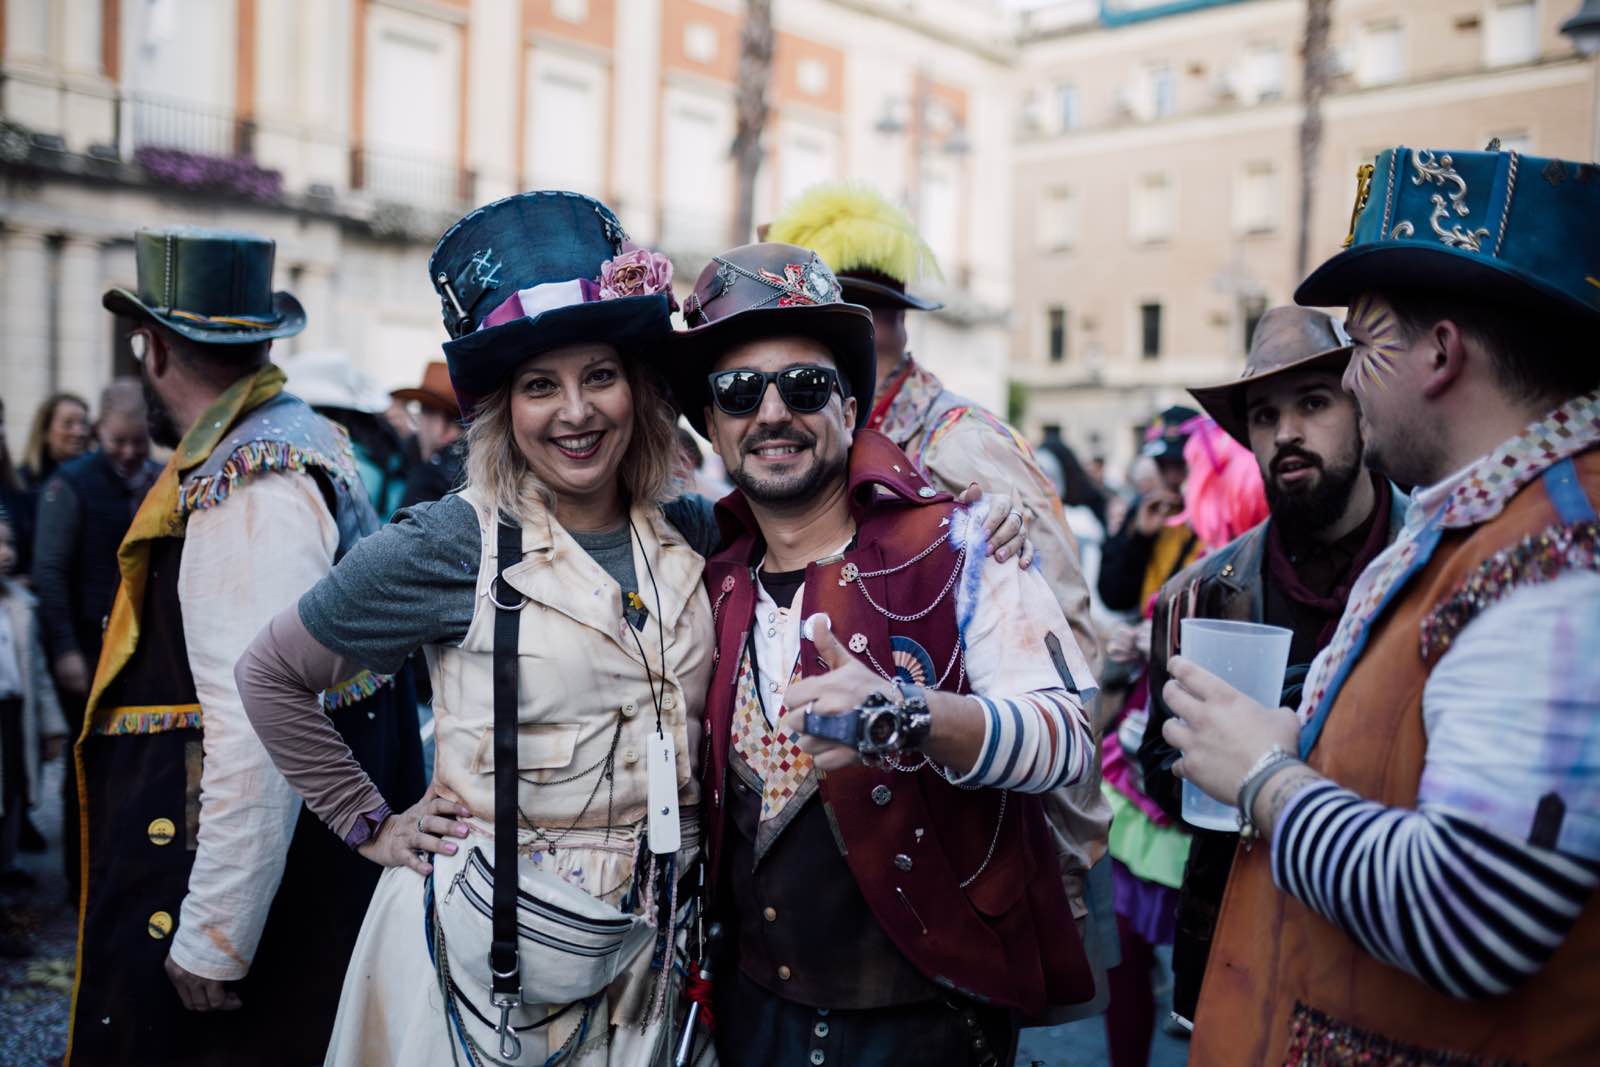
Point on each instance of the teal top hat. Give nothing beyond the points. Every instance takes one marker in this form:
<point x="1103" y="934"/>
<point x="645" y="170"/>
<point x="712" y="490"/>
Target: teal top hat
<point x="538" y="271"/>
<point x="211" y="286"/>
<point x="1521" y="228"/>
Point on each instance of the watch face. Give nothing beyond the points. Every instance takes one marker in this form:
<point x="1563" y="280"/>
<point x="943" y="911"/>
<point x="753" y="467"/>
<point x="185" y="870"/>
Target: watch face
<point x="880" y="728"/>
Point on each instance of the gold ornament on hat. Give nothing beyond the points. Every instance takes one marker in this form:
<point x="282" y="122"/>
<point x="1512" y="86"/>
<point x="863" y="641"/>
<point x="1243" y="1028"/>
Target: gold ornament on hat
<point x="1363" y="194"/>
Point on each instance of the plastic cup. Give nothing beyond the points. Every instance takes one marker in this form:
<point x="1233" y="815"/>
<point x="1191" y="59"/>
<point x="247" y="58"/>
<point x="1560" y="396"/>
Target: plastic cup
<point x="1248" y="656"/>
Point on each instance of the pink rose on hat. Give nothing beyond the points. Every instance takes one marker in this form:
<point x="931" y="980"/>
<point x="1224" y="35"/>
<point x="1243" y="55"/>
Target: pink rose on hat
<point x="635" y="271"/>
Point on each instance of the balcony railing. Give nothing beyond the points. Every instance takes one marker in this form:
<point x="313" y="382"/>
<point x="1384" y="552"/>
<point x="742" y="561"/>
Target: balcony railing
<point x="406" y="178"/>
<point x="156" y="122"/>
<point x="166" y="129"/>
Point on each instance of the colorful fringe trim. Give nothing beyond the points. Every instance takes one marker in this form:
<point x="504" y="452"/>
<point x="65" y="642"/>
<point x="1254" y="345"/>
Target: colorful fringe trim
<point x="354" y="691"/>
<point x="130" y="722"/>
<point x="133" y="721"/>
<point x="252" y="459"/>
<point x="1537" y="558"/>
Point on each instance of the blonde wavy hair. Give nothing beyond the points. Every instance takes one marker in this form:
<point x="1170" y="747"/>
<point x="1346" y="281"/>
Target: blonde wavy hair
<point x="496" y="466"/>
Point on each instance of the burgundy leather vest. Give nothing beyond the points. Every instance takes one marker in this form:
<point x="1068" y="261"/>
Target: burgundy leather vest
<point x="1007" y="936"/>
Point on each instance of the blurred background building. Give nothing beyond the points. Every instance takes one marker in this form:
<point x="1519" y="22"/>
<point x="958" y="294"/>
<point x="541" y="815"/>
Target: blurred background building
<point x="1158" y="198"/>
<point x="1113" y="187"/>
<point x="353" y="131"/>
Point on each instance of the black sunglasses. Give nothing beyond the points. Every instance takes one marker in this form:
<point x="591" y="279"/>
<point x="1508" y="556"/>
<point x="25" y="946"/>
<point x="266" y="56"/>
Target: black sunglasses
<point x="805" y="389"/>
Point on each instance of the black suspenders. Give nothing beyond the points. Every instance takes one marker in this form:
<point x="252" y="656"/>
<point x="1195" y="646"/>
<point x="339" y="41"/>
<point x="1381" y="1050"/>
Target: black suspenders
<point x="504" y="965"/>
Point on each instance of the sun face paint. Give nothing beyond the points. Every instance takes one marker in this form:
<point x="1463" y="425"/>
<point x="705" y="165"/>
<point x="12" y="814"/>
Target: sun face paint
<point x="1378" y="343"/>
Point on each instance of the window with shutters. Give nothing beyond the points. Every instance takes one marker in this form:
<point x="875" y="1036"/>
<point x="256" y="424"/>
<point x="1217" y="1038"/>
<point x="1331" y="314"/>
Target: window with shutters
<point x="1056" y="333"/>
<point x="1150" y="330"/>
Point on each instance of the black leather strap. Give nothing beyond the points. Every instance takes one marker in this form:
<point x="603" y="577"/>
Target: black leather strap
<point x="504" y="966"/>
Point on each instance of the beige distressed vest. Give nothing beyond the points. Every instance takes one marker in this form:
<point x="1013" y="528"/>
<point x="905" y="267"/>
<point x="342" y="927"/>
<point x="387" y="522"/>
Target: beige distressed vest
<point x="584" y="686"/>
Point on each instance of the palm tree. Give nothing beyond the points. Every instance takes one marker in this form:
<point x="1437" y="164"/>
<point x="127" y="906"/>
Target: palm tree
<point x="1317" y="75"/>
<point x="755" y="72"/>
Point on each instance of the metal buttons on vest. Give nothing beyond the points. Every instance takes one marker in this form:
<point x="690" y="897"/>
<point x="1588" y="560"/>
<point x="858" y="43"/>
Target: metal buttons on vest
<point x="821" y="1029"/>
<point x="925" y="492"/>
<point x="161" y="831"/>
<point x="858" y="643"/>
<point x="881" y="795"/>
<point x="159" y="925"/>
<point x="785" y="973"/>
<point x="903" y="861"/>
<point x="770" y="914"/>
<point x="818" y="1057"/>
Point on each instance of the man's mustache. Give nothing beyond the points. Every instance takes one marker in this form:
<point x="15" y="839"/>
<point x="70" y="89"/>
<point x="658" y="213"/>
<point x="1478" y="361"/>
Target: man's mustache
<point x="1286" y="454"/>
<point x="762" y="438"/>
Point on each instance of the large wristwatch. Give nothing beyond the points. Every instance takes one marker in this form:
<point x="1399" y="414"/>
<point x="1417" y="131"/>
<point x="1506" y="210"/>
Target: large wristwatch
<point x="880" y="725"/>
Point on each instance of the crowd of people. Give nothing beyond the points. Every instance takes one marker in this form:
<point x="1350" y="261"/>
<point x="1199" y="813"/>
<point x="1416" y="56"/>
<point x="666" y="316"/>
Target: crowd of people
<point x="870" y="739"/>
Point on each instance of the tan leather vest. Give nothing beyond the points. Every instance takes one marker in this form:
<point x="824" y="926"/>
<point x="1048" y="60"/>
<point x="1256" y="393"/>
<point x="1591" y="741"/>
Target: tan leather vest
<point x="1286" y="986"/>
<point x="582" y="684"/>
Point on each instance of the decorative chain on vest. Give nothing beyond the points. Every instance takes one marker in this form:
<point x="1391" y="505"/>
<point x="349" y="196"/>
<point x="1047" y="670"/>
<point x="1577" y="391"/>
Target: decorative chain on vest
<point x="956" y="659"/>
<point x="849" y="575"/>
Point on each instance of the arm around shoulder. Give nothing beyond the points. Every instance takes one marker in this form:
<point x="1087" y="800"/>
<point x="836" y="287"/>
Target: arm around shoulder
<point x="975" y="451"/>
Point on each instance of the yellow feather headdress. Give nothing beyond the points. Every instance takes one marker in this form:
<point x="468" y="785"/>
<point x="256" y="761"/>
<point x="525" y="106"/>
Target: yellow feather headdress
<point x="854" y="227"/>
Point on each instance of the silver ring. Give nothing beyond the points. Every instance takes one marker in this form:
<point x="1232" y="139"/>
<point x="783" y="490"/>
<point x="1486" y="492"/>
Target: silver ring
<point x="521" y="600"/>
<point x="420" y="830"/>
<point x="1016" y="512"/>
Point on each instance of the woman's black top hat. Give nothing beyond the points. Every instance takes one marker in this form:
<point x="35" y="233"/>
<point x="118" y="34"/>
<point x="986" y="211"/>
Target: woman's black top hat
<point x="211" y="286"/>
<point x="523" y="276"/>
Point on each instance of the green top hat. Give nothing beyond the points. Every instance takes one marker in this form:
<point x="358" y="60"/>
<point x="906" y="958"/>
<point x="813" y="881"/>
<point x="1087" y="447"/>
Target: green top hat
<point x="211" y="286"/>
<point x="1522" y="229"/>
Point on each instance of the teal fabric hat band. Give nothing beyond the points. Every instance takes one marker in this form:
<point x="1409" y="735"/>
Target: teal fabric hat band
<point x="1522" y="228"/>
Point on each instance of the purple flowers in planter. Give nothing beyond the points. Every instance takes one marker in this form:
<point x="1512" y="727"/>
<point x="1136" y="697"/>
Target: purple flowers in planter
<point x="194" y="170"/>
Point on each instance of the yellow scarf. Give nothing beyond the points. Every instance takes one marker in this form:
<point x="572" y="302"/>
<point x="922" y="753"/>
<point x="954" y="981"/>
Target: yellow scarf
<point x="159" y="516"/>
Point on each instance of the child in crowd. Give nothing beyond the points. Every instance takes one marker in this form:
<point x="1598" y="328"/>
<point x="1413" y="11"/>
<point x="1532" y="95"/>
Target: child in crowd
<point x="32" y="729"/>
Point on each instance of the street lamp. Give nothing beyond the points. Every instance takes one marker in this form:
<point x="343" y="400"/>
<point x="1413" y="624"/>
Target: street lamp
<point x="1584" y="28"/>
<point x="1584" y="31"/>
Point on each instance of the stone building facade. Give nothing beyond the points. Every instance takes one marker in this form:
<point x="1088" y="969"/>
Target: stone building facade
<point x="1156" y="197"/>
<point x="353" y="131"/>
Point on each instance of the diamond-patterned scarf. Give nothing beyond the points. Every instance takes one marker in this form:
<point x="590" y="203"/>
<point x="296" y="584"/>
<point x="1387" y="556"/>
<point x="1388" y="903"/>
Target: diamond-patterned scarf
<point x="774" y="755"/>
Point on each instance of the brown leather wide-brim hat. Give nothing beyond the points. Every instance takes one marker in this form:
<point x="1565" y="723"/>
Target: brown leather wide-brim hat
<point x="768" y="290"/>
<point x="435" y="392"/>
<point x="1286" y="339"/>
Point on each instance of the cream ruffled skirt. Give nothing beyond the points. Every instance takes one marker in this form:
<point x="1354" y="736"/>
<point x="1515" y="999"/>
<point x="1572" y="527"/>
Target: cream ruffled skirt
<point x="391" y="1012"/>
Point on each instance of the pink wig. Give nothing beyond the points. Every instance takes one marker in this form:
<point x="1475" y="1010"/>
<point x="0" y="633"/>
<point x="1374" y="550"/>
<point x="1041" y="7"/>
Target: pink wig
<point x="1223" y="495"/>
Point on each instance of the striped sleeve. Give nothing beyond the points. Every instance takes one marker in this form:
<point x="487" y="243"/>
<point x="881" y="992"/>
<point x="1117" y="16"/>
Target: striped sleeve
<point x="1469" y="911"/>
<point x="1032" y="743"/>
